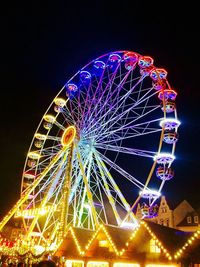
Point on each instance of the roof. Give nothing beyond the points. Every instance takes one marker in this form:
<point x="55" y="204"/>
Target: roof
<point x="131" y="243"/>
<point x="185" y="222"/>
<point x="171" y="238"/>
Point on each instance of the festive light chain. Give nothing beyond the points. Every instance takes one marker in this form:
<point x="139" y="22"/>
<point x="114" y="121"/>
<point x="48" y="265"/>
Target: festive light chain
<point x="160" y="245"/>
<point x="188" y="243"/>
<point x="76" y="241"/>
<point x="108" y="237"/>
<point x="8" y="250"/>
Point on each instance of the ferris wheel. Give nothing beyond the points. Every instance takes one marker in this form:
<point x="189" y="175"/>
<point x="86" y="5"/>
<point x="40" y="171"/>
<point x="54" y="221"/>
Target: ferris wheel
<point x="106" y="141"/>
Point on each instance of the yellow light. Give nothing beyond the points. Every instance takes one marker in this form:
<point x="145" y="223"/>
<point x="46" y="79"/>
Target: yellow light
<point x="69" y="263"/>
<point x="103" y="243"/>
<point x="49" y="118"/>
<point x="60" y="102"/>
<point x="31" y="213"/>
<point x="40" y="136"/>
<point x="97" y="263"/>
<point x="68" y="136"/>
<point x="34" y="155"/>
<point x="38" y="249"/>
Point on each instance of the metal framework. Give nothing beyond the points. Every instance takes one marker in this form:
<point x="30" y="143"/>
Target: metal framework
<point x="107" y="140"/>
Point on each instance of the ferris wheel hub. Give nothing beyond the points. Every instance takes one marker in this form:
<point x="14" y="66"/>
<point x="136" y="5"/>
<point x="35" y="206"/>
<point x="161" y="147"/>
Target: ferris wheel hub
<point x="68" y="135"/>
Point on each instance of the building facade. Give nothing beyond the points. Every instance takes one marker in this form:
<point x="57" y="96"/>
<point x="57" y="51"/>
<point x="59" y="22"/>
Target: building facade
<point x="183" y="217"/>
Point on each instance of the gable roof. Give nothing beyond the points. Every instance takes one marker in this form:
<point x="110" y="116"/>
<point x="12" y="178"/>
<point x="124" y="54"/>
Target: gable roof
<point x="135" y="242"/>
<point x="184" y="222"/>
<point x="171" y="238"/>
<point x="180" y="244"/>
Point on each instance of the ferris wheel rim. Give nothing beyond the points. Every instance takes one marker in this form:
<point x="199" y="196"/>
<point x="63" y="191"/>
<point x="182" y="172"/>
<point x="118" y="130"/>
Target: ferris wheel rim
<point x="71" y="79"/>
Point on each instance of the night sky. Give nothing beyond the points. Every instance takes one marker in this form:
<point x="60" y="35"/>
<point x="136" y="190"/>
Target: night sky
<point x="43" y="46"/>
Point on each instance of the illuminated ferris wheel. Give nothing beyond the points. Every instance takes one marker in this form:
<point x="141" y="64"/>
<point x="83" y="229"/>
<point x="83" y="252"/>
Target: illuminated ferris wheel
<point x="106" y="141"/>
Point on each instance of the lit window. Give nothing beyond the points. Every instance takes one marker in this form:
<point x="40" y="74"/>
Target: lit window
<point x="196" y="219"/>
<point x="97" y="264"/>
<point x="103" y="243"/>
<point x="189" y="219"/>
<point x="153" y="247"/>
<point x="74" y="263"/>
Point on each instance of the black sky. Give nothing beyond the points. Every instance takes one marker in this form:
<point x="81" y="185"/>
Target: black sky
<point x="43" y="46"/>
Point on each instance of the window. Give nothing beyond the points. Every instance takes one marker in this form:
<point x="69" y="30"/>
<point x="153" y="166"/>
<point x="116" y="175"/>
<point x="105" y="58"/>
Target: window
<point x="161" y="221"/>
<point x="196" y="219"/>
<point x="103" y="243"/>
<point x="74" y="263"/>
<point x="164" y="209"/>
<point x="153" y="246"/>
<point x="97" y="264"/>
<point x="167" y="222"/>
<point x="189" y="219"/>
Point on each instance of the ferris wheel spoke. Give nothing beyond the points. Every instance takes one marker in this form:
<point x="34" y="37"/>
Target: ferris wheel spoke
<point x="67" y="116"/>
<point x="85" y="103"/>
<point x="103" y="101"/>
<point x="89" y="101"/>
<point x="126" y="150"/>
<point x="118" y="101"/>
<point x="101" y="189"/>
<point x="126" y="126"/>
<point x="84" y="193"/>
<point x="117" y="138"/>
<point x="94" y="122"/>
<point x="52" y="219"/>
<point x="110" y="98"/>
<point x="118" y="105"/>
<point x="136" y="128"/>
<point x="78" y="179"/>
<point x="35" y="184"/>
<point x="47" y="184"/>
<point x="89" y="195"/>
<point x="125" y="174"/>
<point x="95" y="103"/>
<point x="119" y="116"/>
<point x="53" y="175"/>
<point x="108" y="193"/>
<point x="123" y="110"/>
<point x="122" y="198"/>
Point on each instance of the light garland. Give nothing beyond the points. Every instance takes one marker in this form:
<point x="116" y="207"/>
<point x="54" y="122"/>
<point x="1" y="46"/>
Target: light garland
<point x="188" y="243"/>
<point x="6" y="249"/>
<point x="160" y="245"/>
